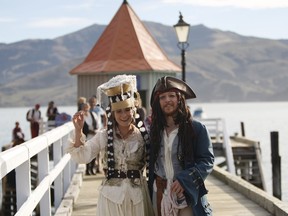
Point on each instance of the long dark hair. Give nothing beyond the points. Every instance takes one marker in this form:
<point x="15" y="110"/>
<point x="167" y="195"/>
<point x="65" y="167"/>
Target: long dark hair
<point x="183" y="118"/>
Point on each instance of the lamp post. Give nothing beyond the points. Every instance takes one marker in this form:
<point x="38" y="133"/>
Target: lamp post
<point x="182" y="30"/>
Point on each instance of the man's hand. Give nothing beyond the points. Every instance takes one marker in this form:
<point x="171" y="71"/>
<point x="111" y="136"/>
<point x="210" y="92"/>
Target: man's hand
<point x="177" y="188"/>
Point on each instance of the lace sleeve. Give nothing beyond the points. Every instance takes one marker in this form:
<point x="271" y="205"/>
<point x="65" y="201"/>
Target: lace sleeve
<point x="86" y="152"/>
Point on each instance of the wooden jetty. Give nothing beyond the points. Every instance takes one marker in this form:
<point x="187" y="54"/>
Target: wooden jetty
<point x="247" y="160"/>
<point x="237" y="192"/>
<point x="228" y="195"/>
<point x="237" y="154"/>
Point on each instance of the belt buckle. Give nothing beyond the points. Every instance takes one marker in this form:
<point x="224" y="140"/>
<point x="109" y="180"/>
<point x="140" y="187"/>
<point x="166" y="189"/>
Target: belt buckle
<point x="124" y="171"/>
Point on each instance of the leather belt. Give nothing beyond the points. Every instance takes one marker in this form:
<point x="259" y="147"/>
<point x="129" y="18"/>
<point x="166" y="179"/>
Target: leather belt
<point x="161" y="185"/>
<point x="131" y="174"/>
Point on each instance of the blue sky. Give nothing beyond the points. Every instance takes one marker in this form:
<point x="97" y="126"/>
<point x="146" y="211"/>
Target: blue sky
<point x="36" y="19"/>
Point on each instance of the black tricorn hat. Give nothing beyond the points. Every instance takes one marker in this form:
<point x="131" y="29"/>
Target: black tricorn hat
<point x="166" y="83"/>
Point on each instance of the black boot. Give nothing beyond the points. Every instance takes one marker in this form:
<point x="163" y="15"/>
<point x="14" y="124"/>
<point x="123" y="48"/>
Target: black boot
<point x="92" y="169"/>
<point x="87" y="170"/>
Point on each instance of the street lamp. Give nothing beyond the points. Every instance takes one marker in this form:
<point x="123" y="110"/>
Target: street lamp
<point x="182" y="31"/>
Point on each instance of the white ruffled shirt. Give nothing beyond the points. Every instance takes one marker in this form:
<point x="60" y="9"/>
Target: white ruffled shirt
<point x="169" y="204"/>
<point x="129" y="154"/>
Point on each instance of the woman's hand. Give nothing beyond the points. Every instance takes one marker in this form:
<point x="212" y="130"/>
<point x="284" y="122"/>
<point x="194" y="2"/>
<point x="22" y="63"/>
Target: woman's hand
<point x="78" y="121"/>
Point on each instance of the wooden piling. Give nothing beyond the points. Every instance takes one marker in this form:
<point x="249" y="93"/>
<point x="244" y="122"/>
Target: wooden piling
<point x="276" y="164"/>
<point x="242" y="129"/>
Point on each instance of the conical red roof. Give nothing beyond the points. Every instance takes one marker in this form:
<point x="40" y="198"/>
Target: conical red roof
<point x="125" y="45"/>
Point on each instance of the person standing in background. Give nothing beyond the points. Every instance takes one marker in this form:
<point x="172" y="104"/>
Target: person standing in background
<point x="90" y="127"/>
<point x="138" y="104"/>
<point x="34" y="117"/>
<point x="51" y="114"/>
<point x="52" y="111"/>
<point x="99" y="111"/>
<point x="101" y="114"/>
<point x="80" y="102"/>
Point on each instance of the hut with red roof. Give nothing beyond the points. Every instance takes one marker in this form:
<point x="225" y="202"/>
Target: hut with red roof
<point x="125" y="47"/>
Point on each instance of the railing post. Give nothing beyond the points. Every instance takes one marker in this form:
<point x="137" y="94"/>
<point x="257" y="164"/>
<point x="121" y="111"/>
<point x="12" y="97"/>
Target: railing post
<point x="228" y="149"/>
<point x="23" y="176"/>
<point x="58" y="183"/>
<point x="69" y="169"/>
<point x="217" y="130"/>
<point x="43" y="170"/>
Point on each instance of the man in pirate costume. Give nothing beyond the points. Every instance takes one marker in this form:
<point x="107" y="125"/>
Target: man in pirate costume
<point x="125" y="143"/>
<point x="181" y="153"/>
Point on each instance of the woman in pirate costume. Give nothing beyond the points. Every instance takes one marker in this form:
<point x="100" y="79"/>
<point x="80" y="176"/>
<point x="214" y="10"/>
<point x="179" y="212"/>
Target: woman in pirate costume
<point x="125" y="142"/>
<point x="181" y="152"/>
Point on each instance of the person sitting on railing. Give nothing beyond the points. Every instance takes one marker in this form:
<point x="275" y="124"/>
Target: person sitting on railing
<point x="17" y="134"/>
<point x="125" y="142"/>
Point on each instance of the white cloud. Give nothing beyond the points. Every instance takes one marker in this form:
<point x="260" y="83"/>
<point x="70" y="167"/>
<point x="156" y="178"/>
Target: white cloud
<point x="251" y="4"/>
<point x="60" y="22"/>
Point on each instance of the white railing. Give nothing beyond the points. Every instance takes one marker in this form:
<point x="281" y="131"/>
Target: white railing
<point x="58" y="171"/>
<point x="217" y="130"/>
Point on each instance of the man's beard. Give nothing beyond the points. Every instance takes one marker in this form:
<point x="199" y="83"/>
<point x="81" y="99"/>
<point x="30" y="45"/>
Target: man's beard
<point x="171" y="113"/>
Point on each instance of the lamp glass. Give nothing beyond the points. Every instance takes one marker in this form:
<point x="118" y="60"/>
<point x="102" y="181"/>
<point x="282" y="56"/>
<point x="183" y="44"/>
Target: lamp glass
<point x="182" y="32"/>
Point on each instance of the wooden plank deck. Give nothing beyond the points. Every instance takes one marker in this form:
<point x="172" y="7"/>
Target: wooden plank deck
<point x="224" y="199"/>
<point x="86" y="202"/>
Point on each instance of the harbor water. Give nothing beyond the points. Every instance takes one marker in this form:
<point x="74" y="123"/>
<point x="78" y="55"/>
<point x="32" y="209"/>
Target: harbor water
<point x="259" y="118"/>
